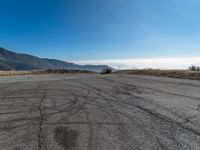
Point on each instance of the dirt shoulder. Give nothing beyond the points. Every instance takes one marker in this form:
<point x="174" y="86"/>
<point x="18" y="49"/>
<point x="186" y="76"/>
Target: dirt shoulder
<point x="182" y="74"/>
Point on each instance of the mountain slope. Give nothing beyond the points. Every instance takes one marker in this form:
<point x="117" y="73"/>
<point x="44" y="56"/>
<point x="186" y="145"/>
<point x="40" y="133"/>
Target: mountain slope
<point x="13" y="61"/>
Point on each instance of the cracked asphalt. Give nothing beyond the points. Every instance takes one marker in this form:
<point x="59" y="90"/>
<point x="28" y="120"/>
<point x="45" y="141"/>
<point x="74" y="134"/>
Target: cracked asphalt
<point x="99" y="112"/>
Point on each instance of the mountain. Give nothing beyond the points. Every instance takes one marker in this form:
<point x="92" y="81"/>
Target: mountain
<point x="14" y="61"/>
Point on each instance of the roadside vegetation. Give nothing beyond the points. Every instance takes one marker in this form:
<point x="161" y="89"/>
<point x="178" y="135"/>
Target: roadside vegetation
<point x="39" y="72"/>
<point x="106" y="71"/>
<point x="194" y="68"/>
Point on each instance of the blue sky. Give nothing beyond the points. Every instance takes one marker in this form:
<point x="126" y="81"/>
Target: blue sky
<point x="78" y="30"/>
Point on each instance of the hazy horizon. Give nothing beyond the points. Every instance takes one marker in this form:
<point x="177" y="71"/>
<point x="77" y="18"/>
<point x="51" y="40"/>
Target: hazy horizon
<point x="146" y="63"/>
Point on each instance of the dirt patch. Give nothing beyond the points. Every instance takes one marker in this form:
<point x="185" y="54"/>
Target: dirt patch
<point x="66" y="138"/>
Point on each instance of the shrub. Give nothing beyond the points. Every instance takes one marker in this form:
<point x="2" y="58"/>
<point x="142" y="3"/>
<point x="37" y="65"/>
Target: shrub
<point x="194" y="68"/>
<point x="106" y="71"/>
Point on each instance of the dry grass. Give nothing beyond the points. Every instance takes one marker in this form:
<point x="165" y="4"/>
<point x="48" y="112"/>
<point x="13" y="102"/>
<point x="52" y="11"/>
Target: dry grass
<point x="183" y="74"/>
<point x="40" y="72"/>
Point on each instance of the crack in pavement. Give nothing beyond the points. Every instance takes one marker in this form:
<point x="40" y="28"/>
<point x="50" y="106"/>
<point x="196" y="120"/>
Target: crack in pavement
<point x="40" y="140"/>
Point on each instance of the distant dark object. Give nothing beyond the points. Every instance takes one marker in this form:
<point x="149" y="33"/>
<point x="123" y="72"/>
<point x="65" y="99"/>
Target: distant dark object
<point x="194" y="68"/>
<point x="106" y="71"/>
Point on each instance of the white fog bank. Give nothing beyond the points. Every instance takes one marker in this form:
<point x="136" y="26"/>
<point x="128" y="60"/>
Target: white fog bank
<point x="154" y="63"/>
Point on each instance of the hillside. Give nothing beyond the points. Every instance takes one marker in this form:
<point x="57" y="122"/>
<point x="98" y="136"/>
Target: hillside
<point x="13" y="61"/>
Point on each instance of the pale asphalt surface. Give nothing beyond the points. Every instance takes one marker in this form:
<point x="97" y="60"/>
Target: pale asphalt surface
<point x="99" y="112"/>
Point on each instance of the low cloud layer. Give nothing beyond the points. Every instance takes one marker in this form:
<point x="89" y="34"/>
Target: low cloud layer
<point x="154" y="63"/>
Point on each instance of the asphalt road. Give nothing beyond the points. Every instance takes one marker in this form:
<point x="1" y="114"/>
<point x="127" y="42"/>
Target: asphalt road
<point x="99" y="112"/>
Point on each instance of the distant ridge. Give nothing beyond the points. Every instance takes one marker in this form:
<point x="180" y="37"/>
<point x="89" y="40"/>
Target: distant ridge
<point x="13" y="61"/>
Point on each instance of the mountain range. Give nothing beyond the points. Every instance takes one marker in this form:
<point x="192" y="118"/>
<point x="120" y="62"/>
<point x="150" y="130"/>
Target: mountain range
<point x="13" y="61"/>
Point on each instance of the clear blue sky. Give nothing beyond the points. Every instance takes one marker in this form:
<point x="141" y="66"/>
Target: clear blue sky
<point x="101" y="29"/>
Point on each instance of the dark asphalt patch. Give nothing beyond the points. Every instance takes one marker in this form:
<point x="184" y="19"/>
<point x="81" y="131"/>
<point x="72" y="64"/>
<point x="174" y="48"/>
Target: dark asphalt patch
<point x="17" y="148"/>
<point x="66" y="138"/>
